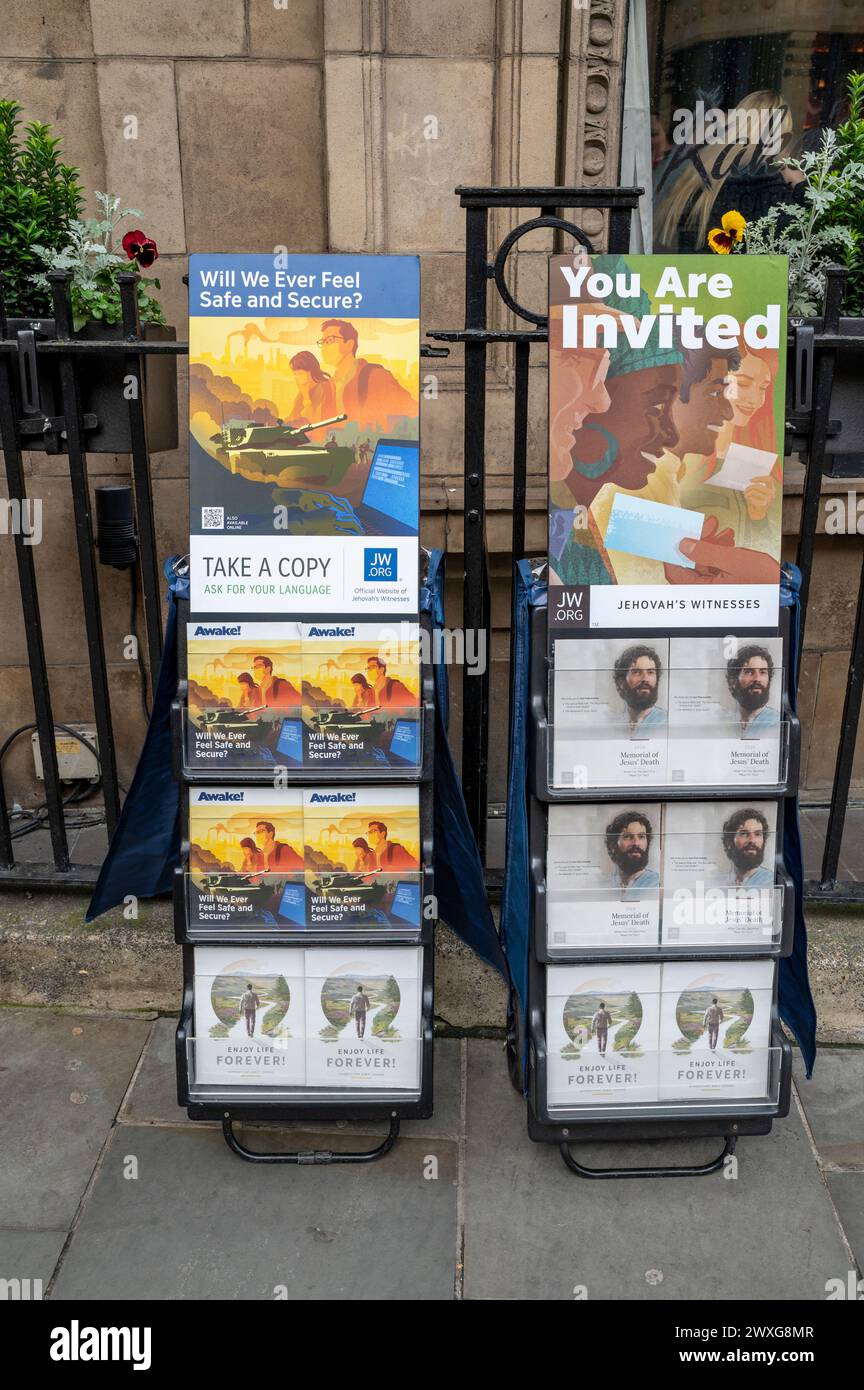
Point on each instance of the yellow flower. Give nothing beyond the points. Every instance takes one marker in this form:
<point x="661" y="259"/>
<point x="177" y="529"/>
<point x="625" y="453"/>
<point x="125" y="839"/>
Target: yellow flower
<point x="722" y="239"/>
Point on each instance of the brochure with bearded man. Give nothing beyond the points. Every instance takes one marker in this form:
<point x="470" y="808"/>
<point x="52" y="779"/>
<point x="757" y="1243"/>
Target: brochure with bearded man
<point x="724" y="710"/>
<point x="603" y="875"/>
<point x="715" y="1030"/>
<point x="718" y="873"/>
<point x="610" y="712"/>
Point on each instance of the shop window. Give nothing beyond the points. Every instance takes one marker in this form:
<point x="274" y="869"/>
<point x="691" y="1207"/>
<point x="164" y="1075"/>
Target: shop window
<point x="734" y="88"/>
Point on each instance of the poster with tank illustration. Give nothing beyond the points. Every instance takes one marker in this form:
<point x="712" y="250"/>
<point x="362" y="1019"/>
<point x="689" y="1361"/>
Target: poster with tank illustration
<point x="363" y="1018"/>
<point x="666" y="427"/>
<point x="715" y="1030"/>
<point x="602" y="1029"/>
<point x="361" y="695"/>
<point x="246" y="866"/>
<point x="609" y="712"/>
<point x="725" y="697"/>
<point x="249" y="1016"/>
<point x="362" y="856"/>
<point x="603" y="865"/>
<point x="304" y="433"/>
<point x="718" y="873"/>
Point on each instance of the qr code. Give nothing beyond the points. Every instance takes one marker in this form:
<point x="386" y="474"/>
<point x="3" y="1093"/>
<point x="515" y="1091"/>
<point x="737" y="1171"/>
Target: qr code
<point x="212" y="518"/>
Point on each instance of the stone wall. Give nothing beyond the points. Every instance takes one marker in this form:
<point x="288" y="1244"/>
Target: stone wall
<point x="330" y="125"/>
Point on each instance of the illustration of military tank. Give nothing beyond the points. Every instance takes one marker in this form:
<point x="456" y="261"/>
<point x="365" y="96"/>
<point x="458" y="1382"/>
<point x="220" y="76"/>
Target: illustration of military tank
<point x="229" y="884"/>
<point x="281" y="447"/>
<point x="335" y="720"/>
<point x="256" y="724"/>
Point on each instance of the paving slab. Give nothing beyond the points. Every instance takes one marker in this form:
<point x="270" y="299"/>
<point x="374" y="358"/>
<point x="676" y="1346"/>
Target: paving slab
<point x="833" y="1101"/>
<point x="533" y="1231"/>
<point x="30" y="1254"/>
<point x="199" y="1223"/>
<point x="62" y="1078"/>
<point x="847" y="1192"/>
<point x="153" y="1097"/>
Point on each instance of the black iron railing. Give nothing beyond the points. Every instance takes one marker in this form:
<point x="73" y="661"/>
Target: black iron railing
<point x="66" y="426"/>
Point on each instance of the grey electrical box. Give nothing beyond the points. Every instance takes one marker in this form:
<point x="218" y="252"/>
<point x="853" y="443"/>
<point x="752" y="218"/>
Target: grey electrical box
<point x="74" y="761"/>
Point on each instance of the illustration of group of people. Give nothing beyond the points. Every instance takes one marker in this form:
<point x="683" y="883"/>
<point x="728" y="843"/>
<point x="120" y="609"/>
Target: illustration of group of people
<point x="367" y="392"/>
<point x="637" y="674"/>
<point x="260" y="688"/>
<point x="656" y="423"/>
<point x="744" y="837"/>
<point x="266" y="854"/>
<point x="374" y="690"/>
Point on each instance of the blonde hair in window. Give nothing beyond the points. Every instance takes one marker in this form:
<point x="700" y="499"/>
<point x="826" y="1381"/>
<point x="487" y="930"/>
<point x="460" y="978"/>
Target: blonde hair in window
<point x="692" y="195"/>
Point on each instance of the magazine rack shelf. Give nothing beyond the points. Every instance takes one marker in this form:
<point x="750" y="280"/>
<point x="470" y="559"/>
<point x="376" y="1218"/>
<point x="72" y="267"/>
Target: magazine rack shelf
<point x="732" y="922"/>
<point x="295" y="913"/>
<point x="548" y="787"/>
<point x="680" y="904"/>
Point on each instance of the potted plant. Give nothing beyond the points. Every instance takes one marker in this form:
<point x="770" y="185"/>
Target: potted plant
<point x="824" y="227"/>
<point x="41" y="230"/>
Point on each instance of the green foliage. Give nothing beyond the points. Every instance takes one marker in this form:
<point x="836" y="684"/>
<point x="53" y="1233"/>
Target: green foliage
<point x="39" y="198"/>
<point x="90" y="256"/>
<point x="828" y="226"/>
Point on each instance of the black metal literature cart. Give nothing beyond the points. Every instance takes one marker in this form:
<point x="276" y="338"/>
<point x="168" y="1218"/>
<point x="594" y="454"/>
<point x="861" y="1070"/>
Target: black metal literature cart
<point x="652" y="994"/>
<point x="307" y="988"/>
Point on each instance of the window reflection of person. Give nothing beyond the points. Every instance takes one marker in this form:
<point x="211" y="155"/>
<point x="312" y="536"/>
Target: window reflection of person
<point x="365" y="858"/>
<point x="748" y="676"/>
<point x="637" y="676"/>
<point x="628" y="844"/>
<point x="745" y="839"/>
<point x="697" y="185"/>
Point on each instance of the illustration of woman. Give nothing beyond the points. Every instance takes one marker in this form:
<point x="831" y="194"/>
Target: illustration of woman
<point x="365" y="859"/>
<point x="249" y="696"/>
<point x="754" y="514"/>
<point x="316" y="393"/>
<point x="364" y="695"/>
<point x="253" y="859"/>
